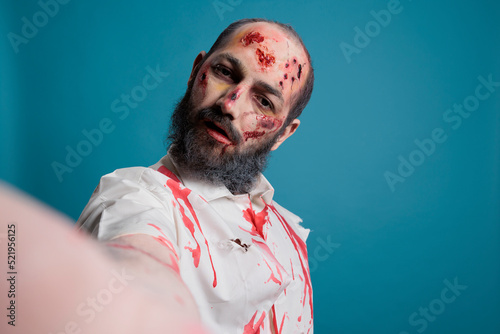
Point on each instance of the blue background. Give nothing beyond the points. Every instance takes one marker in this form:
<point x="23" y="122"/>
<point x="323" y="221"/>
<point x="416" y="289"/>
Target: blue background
<point x="390" y="250"/>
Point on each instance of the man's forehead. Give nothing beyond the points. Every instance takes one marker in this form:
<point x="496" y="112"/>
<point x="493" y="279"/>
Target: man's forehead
<point x="275" y="51"/>
<point x="265" y="32"/>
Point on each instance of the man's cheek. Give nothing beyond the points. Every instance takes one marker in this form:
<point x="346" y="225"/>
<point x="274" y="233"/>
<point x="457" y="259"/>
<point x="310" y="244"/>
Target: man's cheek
<point x="261" y="126"/>
<point x="269" y="123"/>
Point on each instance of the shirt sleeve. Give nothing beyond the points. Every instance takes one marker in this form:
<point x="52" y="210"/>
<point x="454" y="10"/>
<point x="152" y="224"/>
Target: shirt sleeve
<point x="130" y="201"/>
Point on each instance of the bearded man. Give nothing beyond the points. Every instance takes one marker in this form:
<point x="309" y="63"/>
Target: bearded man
<point x="202" y="222"/>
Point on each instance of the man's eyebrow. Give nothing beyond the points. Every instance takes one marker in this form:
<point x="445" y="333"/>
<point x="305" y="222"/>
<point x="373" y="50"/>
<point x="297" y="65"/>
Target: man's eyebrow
<point x="270" y="89"/>
<point x="230" y="58"/>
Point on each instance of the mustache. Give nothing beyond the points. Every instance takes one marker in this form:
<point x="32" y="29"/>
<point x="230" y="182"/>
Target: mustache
<point x="215" y="115"/>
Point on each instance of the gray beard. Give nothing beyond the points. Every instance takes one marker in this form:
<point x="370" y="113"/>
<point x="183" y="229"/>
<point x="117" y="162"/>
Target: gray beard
<point x="198" y="154"/>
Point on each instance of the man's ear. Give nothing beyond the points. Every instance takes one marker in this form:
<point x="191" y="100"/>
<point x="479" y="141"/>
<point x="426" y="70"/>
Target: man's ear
<point x="289" y="130"/>
<point x="196" y="63"/>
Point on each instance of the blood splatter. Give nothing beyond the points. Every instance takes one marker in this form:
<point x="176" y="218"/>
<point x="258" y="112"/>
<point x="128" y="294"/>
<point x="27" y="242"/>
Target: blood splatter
<point x="287" y="64"/>
<point x="253" y="134"/>
<point x="285" y="76"/>
<point x="258" y="220"/>
<point x="254" y="328"/>
<point x="264" y="247"/>
<point x="165" y="171"/>
<point x="275" y="325"/>
<point x="181" y="194"/>
<point x="252" y="37"/>
<point x="301" y="249"/>
<point x="272" y="277"/>
<point x="265" y="59"/>
<point x="268" y="122"/>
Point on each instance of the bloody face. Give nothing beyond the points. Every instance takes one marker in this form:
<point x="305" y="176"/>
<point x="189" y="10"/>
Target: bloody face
<point x="241" y="95"/>
<point x="253" y="80"/>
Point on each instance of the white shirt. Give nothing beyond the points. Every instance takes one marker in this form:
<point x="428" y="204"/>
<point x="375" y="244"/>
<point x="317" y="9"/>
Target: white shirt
<point x="243" y="257"/>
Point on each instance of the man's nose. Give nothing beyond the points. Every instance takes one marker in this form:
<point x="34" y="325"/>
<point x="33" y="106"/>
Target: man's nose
<point x="231" y="103"/>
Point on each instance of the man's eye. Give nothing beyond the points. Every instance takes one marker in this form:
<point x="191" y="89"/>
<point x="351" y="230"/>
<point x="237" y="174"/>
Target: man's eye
<point x="223" y="70"/>
<point x="264" y="102"/>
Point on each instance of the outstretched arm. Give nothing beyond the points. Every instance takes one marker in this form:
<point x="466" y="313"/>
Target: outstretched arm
<point x="64" y="282"/>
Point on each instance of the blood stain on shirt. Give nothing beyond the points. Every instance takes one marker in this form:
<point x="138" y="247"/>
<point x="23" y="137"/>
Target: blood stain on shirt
<point x="253" y="328"/>
<point x="273" y="277"/>
<point x="301" y="249"/>
<point x="275" y="325"/>
<point x="258" y="220"/>
<point x="165" y="171"/>
<point x="181" y="194"/>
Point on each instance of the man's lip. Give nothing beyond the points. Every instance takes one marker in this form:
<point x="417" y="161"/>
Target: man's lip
<point x="218" y="132"/>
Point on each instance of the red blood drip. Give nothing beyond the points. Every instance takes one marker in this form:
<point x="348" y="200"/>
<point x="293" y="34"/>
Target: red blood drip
<point x="272" y="277"/>
<point x="282" y="323"/>
<point x="252" y="37"/>
<point x="275" y="325"/>
<point x="301" y="249"/>
<point x="252" y="134"/>
<point x="300" y="71"/>
<point x="252" y="328"/>
<point x="281" y="84"/>
<point x="265" y="59"/>
<point x="165" y="171"/>
<point x="258" y="220"/>
<point x="182" y="194"/>
<point x="263" y="246"/>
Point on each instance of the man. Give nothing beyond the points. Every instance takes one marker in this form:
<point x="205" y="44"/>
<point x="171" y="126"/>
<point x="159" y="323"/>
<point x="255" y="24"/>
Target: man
<point x="203" y="217"/>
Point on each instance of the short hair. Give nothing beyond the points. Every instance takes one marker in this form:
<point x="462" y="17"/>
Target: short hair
<point x="304" y="96"/>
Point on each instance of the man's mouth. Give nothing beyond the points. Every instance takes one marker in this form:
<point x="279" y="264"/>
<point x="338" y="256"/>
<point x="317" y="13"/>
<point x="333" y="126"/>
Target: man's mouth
<point x="217" y="132"/>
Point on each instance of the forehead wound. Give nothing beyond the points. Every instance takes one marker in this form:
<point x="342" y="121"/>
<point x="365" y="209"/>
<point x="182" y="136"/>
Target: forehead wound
<point x="265" y="57"/>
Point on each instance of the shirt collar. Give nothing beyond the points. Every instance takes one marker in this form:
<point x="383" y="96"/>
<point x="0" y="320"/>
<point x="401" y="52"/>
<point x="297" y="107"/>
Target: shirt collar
<point x="263" y="189"/>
